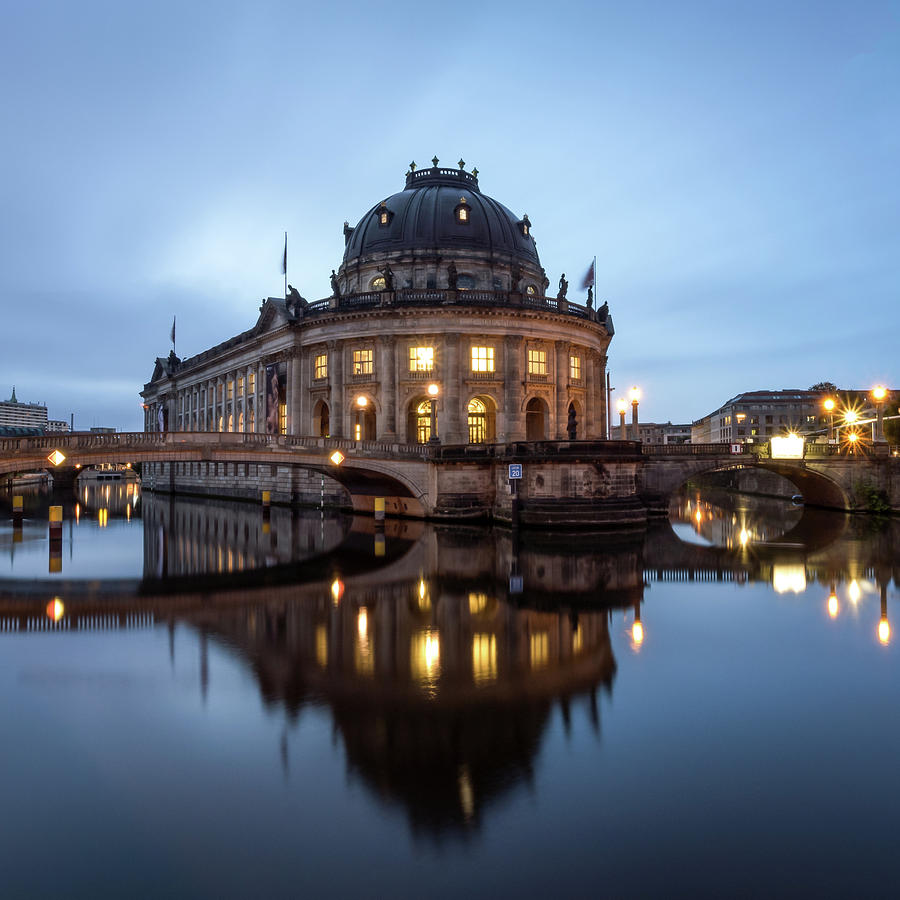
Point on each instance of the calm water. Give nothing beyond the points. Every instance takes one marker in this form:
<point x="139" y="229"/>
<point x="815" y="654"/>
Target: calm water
<point x="200" y="702"/>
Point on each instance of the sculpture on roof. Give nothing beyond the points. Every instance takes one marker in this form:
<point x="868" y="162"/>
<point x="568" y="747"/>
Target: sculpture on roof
<point x="294" y="302"/>
<point x="563" y="287"/>
<point x="452" y="276"/>
<point x="335" y="287"/>
<point x="388" y="273"/>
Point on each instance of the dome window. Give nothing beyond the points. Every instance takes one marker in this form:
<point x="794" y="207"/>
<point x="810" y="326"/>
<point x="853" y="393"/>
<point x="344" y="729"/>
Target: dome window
<point x="525" y="226"/>
<point x="384" y="215"/>
<point x="462" y="212"/>
<point x="531" y="290"/>
<point x="465" y="283"/>
<point x="378" y="283"/>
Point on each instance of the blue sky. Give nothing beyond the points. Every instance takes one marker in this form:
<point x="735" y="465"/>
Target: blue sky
<point x="733" y="166"/>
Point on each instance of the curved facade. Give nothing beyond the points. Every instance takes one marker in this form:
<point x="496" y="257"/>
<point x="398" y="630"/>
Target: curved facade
<point x="439" y="327"/>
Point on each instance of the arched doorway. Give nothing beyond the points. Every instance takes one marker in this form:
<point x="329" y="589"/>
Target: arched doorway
<point x="482" y="420"/>
<point x="363" y="423"/>
<point x="536" y="418"/>
<point x="321" y="425"/>
<point x="418" y="426"/>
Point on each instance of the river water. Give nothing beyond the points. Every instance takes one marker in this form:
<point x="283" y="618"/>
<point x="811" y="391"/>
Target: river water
<point x="198" y="700"/>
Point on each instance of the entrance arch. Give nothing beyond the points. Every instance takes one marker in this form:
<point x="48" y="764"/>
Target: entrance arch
<point x="481" y="418"/>
<point x="364" y="424"/>
<point x="418" y="422"/>
<point x="321" y="424"/>
<point x="537" y="415"/>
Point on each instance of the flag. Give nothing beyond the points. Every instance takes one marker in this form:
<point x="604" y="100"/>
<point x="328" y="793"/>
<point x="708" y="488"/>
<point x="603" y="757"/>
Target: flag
<point x="172" y="338"/>
<point x="588" y="280"/>
<point x="284" y="258"/>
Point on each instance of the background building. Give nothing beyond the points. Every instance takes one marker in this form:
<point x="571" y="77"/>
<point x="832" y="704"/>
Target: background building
<point x="654" y="433"/>
<point x="440" y="285"/>
<point x="14" y="414"/>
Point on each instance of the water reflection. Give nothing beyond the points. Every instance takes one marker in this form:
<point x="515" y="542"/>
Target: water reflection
<point x="441" y="654"/>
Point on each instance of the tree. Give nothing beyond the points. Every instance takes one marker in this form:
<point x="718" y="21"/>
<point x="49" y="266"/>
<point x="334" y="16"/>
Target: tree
<point x="892" y="431"/>
<point x="826" y="387"/>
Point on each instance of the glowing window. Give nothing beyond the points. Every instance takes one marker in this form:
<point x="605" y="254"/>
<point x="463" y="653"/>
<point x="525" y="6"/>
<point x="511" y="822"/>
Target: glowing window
<point x="477" y="413"/>
<point x="421" y="359"/>
<point x="378" y="283"/>
<point x="537" y="362"/>
<point x="384" y="218"/>
<point x="463" y="214"/>
<point x="321" y="365"/>
<point x="575" y="368"/>
<point x="240" y="385"/>
<point x="282" y="418"/>
<point x="362" y="362"/>
<point x="482" y="359"/>
<point x="423" y="421"/>
<point x="251" y="382"/>
<point x="531" y="290"/>
<point x="230" y="389"/>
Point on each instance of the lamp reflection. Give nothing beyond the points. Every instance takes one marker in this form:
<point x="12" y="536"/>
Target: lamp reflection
<point x="832" y="604"/>
<point x="425" y="658"/>
<point x="884" y="628"/>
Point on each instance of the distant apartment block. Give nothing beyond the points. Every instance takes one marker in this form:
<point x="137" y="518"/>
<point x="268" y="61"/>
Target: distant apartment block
<point x="756" y="416"/>
<point x="14" y="414"/>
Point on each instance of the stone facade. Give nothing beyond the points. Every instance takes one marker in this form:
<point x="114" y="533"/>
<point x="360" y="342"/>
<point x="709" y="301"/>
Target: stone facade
<point x="459" y="305"/>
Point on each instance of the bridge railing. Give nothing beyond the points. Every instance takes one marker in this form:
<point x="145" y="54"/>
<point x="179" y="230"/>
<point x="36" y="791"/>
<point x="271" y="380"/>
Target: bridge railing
<point x="695" y="449"/>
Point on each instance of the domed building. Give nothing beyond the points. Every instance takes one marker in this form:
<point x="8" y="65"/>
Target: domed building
<point x="439" y="327"/>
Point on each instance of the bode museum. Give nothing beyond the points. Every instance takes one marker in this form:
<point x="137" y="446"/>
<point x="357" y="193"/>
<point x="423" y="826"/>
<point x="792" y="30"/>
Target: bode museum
<point x="439" y="326"/>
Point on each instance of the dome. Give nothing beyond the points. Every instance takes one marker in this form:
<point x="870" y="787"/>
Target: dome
<point x="442" y="209"/>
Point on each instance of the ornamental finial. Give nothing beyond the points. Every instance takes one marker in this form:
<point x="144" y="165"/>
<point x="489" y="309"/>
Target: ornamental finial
<point x="462" y="163"/>
<point x="434" y="161"/>
<point x="412" y="166"/>
<point x="475" y="172"/>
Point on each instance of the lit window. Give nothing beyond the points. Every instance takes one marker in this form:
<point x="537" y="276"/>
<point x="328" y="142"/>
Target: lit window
<point x="421" y="359"/>
<point x="230" y="389"/>
<point x="463" y="214"/>
<point x="531" y="290"/>
<point x="362" y="362"/>
<point x="423" y="421"/>
<point x="384" y="218"/>
<point x="378" y="283"/>
<point x="575" y="368"/>
<point x="252" y="382"/>
<point x="482" y="359"/>
<point x="537" y="362"/>
<point x="240" y="385"/>
<point x="477" y="421"/>
<point x="321" y="366"/>
<point x="282" y="417"/>
<point x="741" y="417"/>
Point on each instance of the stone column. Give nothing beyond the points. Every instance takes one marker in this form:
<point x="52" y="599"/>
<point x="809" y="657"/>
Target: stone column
<point x="294" y="394"/>
<point x="304" y="416"/>
<point x="451" y="433"/>
<point x="512" y="426"/>
<point x="588" y="427"/>
<point x="602" y="397"/>
<point x="337" y="413"/>
<point x="562" y="393"/>
<point x="387" y="379"/>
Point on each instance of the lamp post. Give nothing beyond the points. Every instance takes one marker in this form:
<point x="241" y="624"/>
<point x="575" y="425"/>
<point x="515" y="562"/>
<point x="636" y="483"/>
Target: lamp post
<point x="634" y="395"/>
<point x="829" y="405"/>
<point x="622" y="405"/>
<point x="879" y="395"/>
<point x="433" y="391"/>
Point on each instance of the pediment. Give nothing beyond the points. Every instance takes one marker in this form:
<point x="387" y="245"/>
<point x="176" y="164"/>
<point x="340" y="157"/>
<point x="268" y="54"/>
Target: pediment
<point x="272" y="315"/>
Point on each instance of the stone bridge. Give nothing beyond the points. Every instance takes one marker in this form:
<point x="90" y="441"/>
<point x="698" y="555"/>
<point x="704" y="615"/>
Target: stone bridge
<point x="564" y="483"/>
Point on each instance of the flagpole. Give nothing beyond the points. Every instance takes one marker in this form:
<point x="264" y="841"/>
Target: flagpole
<point x="285" y="265"/>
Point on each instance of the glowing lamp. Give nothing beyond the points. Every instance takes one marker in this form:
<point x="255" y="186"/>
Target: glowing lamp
<point x="634" y="394"/>
<point x="879" y="392"/>
<point x="337" y="457"/>
<point x="362" y="401"/>
<point x="433" y="390"/>
<point x="789" y="446"/>
<point x="622" y="405"/>
<point x="55" y="609"/>
<point x="884" y="631"/>
<point x="829" y="404"/>
<point x="56" y="457"/>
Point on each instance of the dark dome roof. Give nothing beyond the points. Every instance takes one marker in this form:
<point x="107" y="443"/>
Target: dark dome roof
<point x="423" y="217"/>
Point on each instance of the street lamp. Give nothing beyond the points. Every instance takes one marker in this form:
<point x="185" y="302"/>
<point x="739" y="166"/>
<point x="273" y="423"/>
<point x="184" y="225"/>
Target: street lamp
<point x="634" y="395"/>
<point x="622" y="405"/>
<point x="879" y="395"/>
<point x="433" y="391"/>
<point x="829" y="405"/>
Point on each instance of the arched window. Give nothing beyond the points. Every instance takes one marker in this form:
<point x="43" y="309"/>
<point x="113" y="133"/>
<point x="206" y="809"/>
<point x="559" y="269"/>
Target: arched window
<point x="320" y="424"/>
<point x="481" y="420"/>
<point x="465" y="283"/>
<point x="423" y="422"/>
<point x="536" y="416"/>
<point x="377" y="283"/>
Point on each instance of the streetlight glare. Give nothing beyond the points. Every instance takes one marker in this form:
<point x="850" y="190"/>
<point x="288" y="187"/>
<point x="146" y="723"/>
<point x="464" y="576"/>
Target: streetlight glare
<point x="635" y="394"/>
<point x="622" y="404"/>
<point x="433" y="390"/>
<point x="829" y="404"/>
<point x="879" y="392"/>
